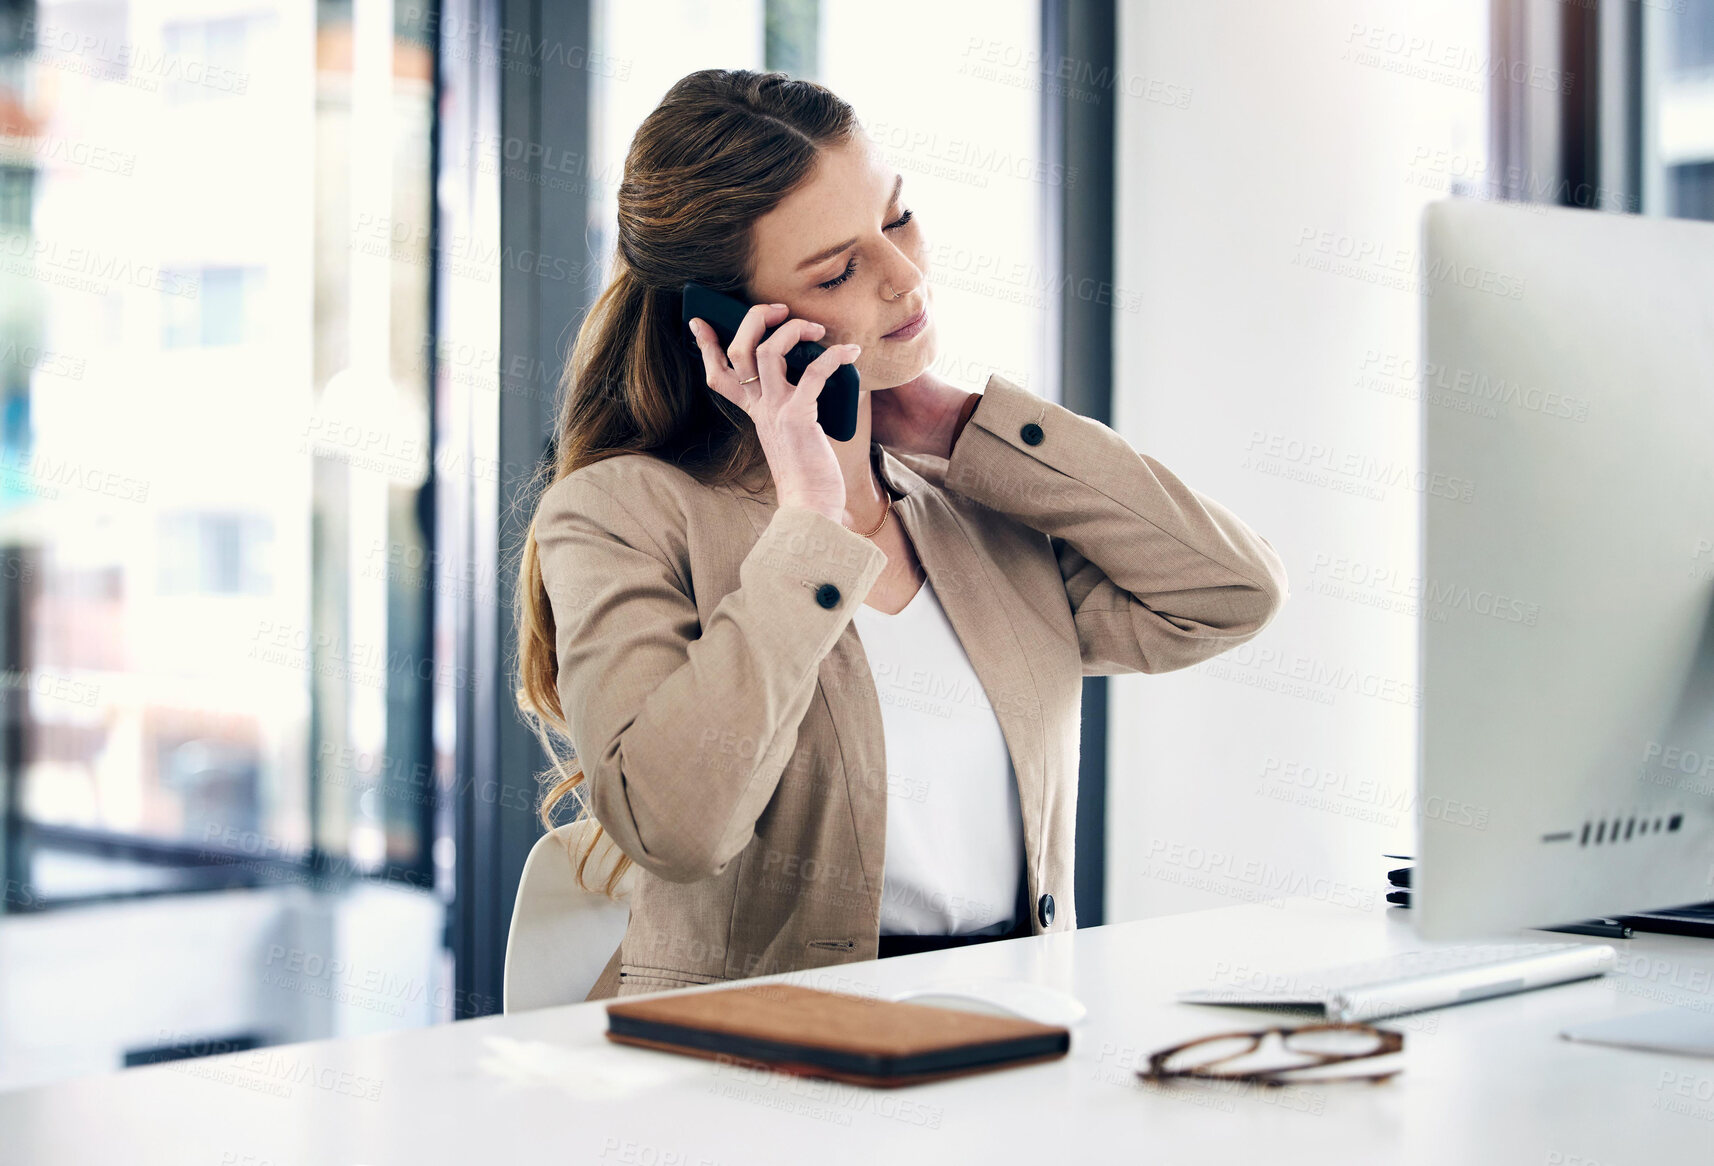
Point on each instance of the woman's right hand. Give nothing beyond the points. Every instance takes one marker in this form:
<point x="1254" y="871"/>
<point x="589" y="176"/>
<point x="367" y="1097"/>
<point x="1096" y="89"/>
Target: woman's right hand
<point x="800" y="454"/>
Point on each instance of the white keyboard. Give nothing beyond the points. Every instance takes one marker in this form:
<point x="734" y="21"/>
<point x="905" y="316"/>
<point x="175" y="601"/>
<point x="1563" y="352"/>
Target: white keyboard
<point x="1414" y="980"/>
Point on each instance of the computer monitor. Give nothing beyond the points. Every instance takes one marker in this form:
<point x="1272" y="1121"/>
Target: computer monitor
<point x="1566" y="728"/>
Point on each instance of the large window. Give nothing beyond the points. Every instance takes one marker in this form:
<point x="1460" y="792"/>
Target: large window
<point x="213" y="409"/>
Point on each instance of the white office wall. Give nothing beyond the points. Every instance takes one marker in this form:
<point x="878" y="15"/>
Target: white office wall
<point x="1273" y="160"/>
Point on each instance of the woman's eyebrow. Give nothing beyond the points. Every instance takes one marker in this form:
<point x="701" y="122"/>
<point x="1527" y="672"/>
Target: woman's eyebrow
<point x="824" y="256"/>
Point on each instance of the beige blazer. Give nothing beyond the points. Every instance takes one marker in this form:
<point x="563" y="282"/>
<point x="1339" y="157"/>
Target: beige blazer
<point x="725" y="715"/>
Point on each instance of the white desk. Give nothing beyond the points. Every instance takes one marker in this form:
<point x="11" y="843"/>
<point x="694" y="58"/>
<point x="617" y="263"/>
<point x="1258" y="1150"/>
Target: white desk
<point x="1488" y="1082"/>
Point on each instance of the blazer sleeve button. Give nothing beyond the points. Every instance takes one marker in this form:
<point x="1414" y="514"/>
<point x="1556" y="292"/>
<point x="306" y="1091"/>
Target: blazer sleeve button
<point x="827" y="595"/>
<point x="1044" y="909"/>
<point x="1031" y="433"/>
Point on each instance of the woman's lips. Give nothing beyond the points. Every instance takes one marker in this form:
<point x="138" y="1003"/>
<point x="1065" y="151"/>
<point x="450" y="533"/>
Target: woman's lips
<point x="910" y="328"/>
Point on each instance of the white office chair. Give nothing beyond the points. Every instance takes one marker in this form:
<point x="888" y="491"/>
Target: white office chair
<point x="562" y="935"/>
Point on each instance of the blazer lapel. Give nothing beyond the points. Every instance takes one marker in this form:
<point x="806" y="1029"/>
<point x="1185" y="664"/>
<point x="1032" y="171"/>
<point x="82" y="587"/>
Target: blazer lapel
<point x="973" y="594"/>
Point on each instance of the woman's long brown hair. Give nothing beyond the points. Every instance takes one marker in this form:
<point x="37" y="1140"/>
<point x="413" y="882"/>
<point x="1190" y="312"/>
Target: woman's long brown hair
<point x="723" y="148"/>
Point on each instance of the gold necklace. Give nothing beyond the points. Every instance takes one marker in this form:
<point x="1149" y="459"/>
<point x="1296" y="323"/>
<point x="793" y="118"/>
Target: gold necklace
<point x="888" y="509"/>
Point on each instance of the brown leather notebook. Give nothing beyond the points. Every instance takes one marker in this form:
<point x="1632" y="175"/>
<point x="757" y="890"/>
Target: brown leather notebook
<point x="813" y="1033"/>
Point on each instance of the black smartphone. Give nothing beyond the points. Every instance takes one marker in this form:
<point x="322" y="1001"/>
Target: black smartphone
<point x="836" y="407"/>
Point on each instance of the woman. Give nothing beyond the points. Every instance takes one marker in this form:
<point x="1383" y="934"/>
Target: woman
<point x="826" y="694"/>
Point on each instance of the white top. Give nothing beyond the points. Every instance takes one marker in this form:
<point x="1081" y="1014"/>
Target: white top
<point x="955" y="836"/>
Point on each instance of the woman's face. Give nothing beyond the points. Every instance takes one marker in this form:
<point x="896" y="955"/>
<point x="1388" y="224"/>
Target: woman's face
<point x="845" y="251"/>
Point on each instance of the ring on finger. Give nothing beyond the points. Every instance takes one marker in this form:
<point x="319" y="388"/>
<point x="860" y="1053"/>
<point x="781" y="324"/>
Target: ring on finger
<point x="757" y="377"/>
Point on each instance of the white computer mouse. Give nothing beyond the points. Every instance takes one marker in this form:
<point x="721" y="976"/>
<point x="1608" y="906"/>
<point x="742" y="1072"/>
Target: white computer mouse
<point x="999" y="997"/>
